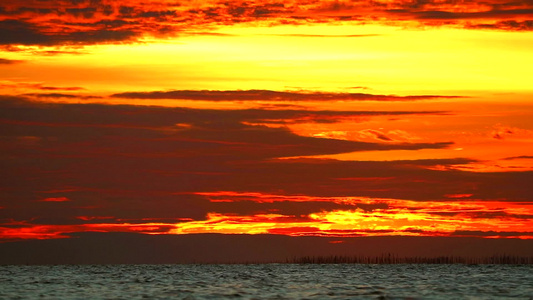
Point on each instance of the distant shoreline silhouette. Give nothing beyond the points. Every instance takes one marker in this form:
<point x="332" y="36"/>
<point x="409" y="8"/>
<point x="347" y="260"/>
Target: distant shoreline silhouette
<point x="394" y="259"/>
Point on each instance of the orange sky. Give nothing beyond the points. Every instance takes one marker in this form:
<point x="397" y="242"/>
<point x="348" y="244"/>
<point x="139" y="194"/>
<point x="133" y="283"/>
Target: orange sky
<point x="300" y="118"/>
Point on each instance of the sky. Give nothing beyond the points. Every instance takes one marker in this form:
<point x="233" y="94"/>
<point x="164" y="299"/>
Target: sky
<point x="325" y="119"/>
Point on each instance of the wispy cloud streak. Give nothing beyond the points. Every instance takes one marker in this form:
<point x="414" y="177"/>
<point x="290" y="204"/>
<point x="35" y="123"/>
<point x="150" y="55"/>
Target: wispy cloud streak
<point x="268" y="95"/>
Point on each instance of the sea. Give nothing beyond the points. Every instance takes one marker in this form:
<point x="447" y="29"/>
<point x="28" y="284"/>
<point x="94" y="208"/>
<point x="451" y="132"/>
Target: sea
<point x="267" y="281"/>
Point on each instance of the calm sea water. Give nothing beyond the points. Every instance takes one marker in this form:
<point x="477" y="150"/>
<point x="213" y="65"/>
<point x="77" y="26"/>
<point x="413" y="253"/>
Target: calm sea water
<point x="268" y="281"/>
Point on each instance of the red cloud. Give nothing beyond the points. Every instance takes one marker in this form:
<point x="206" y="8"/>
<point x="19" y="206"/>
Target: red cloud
<point x="55" y="199"/>
<point x="77" y="23"/>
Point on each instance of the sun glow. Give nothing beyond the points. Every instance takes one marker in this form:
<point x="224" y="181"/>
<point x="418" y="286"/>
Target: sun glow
<point x="368" y="217"/>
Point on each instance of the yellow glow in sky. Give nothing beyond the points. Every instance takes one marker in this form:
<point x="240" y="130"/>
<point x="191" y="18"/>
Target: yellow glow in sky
<point x="320" y="57"/>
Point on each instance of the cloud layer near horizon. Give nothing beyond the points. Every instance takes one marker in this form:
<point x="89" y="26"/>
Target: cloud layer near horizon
<point x="85" y="167"/>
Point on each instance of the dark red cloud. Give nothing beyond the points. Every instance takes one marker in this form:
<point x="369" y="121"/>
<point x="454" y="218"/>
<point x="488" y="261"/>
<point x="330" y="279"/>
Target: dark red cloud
<point x="268" y="95"/>
<point x="59" y="95"/>
<point x="379" y="135"/>
<point x="452" y="15"/>
<point x="492" y="234"/>
<point x="510" y="25"/>
<point x="63" y="22"/>
<point x="120" y="164"/>
<point x="519" y="157"/>
<point x="134" y="163"/>
<point x="287" y="207"/>
<point x="5" y="61"/>
<point x="16" y="32"/>
<point x="35" y="86"/>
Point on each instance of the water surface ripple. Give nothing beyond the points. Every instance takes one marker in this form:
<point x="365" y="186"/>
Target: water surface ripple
<point x="267" y="281"/>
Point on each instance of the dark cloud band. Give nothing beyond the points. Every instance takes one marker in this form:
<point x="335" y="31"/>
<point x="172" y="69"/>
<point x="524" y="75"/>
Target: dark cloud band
<point x="268" y="95"/>
<point x="63" y="22"/>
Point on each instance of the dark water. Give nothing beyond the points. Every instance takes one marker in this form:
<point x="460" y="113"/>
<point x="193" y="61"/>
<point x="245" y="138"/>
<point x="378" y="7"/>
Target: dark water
<point x="269" y="281"/>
